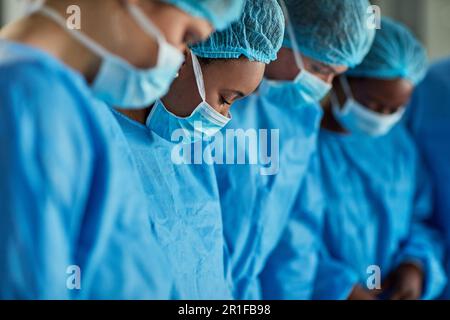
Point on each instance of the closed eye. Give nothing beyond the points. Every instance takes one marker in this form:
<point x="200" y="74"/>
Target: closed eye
<point x="224" y="101"/>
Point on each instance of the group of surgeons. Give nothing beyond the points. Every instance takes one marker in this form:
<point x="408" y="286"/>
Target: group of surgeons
<point x="87" y="119"/>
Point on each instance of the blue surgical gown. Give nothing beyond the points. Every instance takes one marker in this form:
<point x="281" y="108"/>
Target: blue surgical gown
<point x="429" y="120"/>
<point x="290" y="271"/>
<point x="378" y="197"/>
<point x="255" y="205"/>
<point x="68" y="191"/>
<point x="185" y="208"/>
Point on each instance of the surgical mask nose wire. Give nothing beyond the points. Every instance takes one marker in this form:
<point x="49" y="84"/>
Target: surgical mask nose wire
<point x="199" y="77"/>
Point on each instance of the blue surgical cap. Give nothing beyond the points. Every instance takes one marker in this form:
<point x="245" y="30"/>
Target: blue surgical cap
<point x="257" y="35"/>
<point x="220" y="13"/>
<point x="333" y="32"/>
<point x="395" y="53"/>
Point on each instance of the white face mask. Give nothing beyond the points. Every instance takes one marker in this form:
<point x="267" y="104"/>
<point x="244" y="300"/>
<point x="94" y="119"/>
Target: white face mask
<point x="361" y="120"/>
<point x="203" y="123"/>
<point x="120" y="84"/>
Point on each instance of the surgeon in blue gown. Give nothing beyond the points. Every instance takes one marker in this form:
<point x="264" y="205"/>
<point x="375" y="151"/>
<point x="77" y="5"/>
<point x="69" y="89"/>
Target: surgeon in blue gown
<point x="376" y="243"/>
<point x="73" y="222"/>
<point x="429" y="120"/>
<point x="257" y="200"/>
<point x="184" y="193"/>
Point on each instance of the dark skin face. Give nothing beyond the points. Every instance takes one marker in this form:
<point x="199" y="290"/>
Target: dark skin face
<point x="226" y="81"/>
<point x="284" y="69"/>
<point x="382" y="96"/>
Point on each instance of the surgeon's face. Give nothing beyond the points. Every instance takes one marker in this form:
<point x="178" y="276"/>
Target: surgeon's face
<point x="284" y="69"/>
<point x="179" y="29"/>
<point x="382" y="96"/>
<point x="226" y="81"/>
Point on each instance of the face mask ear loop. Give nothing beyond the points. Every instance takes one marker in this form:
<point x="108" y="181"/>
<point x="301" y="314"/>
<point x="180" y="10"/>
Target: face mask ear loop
<point x="198" y="77"/>
<point x="291" y="34"/>
<point x="59" y="20"/>
<point x="146" y="23"/>
<point x="346" y="87"/>
<point x="334" y="100"/>
<point x="148" y="27"/>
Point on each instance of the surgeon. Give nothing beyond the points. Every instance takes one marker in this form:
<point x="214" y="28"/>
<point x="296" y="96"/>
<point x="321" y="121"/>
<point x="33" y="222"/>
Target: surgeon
<point x="167" y="138"/>
<point x="322" y="40"/>
<point x="377" y="191"/>
<point x="73" y="222"/>
<point x="429" y="120"/>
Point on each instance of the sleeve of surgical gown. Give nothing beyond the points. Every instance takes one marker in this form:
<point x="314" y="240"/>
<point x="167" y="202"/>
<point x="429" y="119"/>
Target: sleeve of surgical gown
<point x="334" y="280"/>
<point x="48" y="170"/>
<point x="424" y="244"/>
<point x="37" y="193"/>
<point x="290" y="270"/>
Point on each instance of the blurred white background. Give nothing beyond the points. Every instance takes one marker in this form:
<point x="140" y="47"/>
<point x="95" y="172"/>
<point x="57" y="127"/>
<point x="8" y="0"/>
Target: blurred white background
<point x="429" y="19"/>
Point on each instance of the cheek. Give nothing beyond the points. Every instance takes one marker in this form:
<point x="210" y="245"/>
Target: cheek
<point x="212" y="92"/>
<point x="222" y="109"/>
<point x="149" y="55"/>
<point x="214" y="100"/>
<point x="253" y="80"/>
<point x="174" y="32"/>
<point x="290" y="71"/>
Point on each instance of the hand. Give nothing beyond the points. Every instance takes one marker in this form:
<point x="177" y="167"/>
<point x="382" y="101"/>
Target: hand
<point x="359" y="293"/>
<point x="404" y="283"/>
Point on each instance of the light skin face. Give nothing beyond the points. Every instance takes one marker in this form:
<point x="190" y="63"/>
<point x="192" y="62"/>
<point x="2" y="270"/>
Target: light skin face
<point x="108" y="23"/>
<point x="382" y="96"/>
<point x="283" y="68"/>
<point x="226" y="81"/>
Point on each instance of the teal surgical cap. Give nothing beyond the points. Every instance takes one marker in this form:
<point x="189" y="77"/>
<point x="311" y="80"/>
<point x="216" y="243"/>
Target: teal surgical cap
<point x="395" y="53"/>
<point x="220" y="13"/>
<point x="257" y="35"/>
<point x="334" y="32"/>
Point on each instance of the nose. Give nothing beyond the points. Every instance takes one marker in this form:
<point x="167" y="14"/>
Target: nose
<point x="183" y="48"/>
<point x="326" y="78"/>
<point x="329" y="79"/>
<point x="225" y="111"/>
